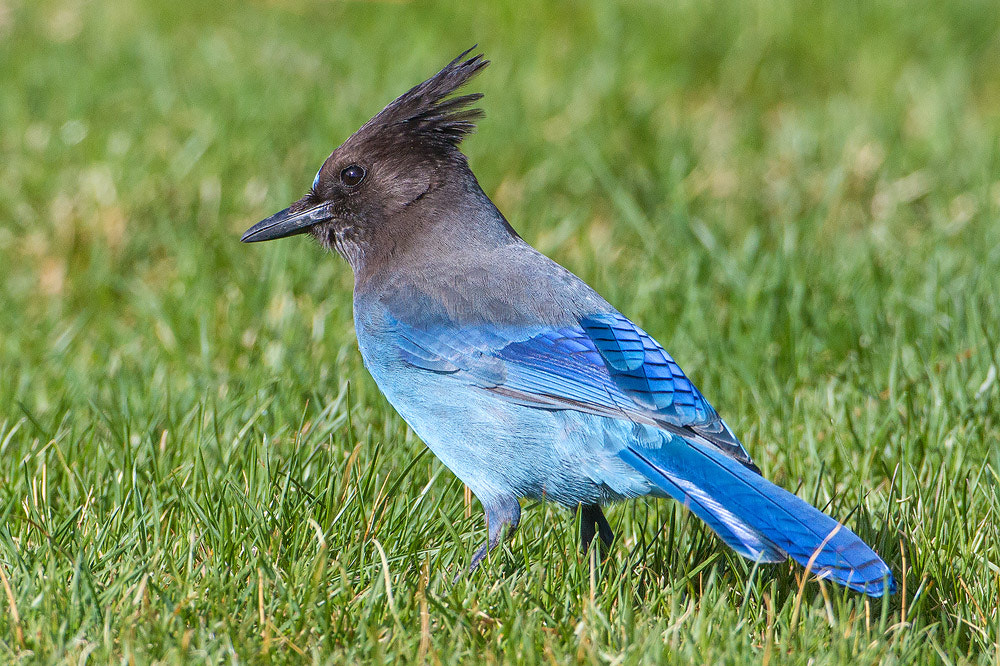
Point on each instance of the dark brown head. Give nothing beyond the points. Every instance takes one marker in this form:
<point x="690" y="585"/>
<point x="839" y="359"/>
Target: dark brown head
<point x="395" y="162"/>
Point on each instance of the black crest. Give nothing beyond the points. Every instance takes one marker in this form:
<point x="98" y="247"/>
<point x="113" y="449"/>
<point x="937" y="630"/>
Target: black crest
<point x="427" y="114"/>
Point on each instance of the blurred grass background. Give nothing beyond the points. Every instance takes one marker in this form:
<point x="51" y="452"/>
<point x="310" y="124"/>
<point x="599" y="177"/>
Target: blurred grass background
<point x="800" y="200"/>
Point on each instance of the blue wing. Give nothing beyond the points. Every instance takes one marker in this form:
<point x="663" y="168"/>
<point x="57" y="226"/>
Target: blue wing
<point x="604" y="365"/>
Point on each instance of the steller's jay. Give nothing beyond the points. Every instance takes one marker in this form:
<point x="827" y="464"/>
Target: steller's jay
<point x="517" y="375"/>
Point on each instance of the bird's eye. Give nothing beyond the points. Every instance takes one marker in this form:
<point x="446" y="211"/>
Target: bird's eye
<point x="352" y="175"/>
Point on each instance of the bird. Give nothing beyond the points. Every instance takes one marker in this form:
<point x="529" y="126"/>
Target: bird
<point x="517" y="375"/>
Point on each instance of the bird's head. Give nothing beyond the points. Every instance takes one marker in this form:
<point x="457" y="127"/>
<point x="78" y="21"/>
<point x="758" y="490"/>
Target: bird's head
<point x="386" y="170"/>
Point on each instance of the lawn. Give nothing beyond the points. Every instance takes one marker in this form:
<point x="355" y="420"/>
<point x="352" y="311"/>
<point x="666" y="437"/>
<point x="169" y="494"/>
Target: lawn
<point x="800" y="200"/>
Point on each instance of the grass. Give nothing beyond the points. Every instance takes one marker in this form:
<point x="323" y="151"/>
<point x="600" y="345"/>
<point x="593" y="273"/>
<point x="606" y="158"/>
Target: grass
<point x="800" y="200"/>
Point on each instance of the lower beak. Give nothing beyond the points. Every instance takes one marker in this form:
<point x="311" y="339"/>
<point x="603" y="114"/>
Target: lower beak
<point x="288" y="222"/>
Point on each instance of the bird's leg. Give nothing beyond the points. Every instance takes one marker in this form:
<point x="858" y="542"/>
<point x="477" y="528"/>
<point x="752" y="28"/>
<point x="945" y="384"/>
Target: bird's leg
<point x="502" y="514"/>
<point x="593" y="522"/>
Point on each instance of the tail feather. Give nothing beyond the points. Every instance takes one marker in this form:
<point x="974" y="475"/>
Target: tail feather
<point x="758" y="519"/>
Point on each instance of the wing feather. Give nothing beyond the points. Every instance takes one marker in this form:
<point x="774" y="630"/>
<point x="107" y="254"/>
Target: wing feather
<point x="604" y="365"/>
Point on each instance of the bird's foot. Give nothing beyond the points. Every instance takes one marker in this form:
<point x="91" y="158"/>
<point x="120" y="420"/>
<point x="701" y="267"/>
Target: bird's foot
<point x="593" y="523"/>
<point x="501" y="516"/>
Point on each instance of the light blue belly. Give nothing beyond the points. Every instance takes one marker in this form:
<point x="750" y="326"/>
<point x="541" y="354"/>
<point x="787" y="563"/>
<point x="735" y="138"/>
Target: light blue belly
<point x="502" y="449"/>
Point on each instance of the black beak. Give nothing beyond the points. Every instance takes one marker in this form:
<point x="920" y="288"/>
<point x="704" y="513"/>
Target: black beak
<point x="288" y="222"/>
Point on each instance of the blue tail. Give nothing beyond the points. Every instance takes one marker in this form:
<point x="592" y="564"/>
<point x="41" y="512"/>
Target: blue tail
<point x="758" y="519"/>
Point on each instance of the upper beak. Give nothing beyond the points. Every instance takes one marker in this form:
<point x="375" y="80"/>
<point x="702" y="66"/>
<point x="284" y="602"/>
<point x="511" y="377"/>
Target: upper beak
<point x="288" y="222"/>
